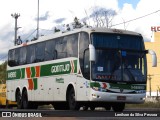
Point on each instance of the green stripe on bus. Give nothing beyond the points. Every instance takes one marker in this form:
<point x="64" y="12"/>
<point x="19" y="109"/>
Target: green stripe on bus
<point x="57" y="68"/>
<point x="75" y="65"/>
<point x="22" y="73"/>
<point x="119" y="86"/>
<point x="127" y="86"/>
<point x="35" y="83"/>
<point x="33" y="72"/>
<point x="45" y="70"/>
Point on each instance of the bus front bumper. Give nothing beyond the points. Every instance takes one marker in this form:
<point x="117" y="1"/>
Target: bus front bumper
<point x="117" y="97"/>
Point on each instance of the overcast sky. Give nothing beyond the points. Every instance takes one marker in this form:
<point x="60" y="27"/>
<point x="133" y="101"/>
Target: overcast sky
<point x="58" y="12"/>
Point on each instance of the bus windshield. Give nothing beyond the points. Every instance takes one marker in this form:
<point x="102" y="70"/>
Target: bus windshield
<point x="125" y="61"/>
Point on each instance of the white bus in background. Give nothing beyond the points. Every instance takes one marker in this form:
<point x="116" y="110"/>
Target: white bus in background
<point x="91" y="67"/>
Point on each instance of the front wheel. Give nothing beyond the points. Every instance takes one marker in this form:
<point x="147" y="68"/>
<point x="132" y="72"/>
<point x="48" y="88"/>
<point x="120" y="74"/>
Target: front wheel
<point x="73" y="104"/>
<point x="107" y="107"/>
<point x="85" y="108"/>
<point x="118" y="107"/>
<point x="92" y="108"/>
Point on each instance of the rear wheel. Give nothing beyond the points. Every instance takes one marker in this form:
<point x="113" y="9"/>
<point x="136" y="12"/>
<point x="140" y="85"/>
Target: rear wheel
<point x="19" y="100"/>
<point x="26" y="103"/>
<point x="25" y="100"/>
<point x="73" y="104"/>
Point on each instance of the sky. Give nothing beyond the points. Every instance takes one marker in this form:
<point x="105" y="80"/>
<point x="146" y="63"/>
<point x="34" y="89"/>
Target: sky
<point x="55" y="13"/>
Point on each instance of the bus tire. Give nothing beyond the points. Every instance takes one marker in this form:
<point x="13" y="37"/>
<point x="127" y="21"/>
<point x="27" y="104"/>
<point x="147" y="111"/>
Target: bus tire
<point x="92" y="108"/>
<point x="85" y="108"/>
<point x="107" y="107"/>
<point x="19" y="100"/>
<point x="118" y="107"/>
<point x="73" y="104"/>
<point x="25" y="100"/>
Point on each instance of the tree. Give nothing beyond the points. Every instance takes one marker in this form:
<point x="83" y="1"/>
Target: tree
<point x="76" y="23"/>
<point x="3" y="72"/>
<point x="103" y="17"/>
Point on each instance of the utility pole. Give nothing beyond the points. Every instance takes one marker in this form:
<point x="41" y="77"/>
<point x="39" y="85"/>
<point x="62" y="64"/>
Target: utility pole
<point x="38" y="21"/>
<point x="15" y="15"/>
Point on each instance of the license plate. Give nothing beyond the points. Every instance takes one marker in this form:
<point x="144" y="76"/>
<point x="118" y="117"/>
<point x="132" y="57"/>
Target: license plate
<point x="121" y="97"/>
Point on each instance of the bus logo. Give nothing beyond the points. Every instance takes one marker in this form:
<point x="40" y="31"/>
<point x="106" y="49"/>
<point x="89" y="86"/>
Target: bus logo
<point x="121" y="90"/>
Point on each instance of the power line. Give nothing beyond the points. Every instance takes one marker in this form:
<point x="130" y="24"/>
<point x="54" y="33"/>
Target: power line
<point x="29" y="35"/>
<point x="136" y="18"/>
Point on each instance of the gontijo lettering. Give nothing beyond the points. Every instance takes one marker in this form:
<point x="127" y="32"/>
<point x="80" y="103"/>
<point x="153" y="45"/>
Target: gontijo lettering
<point x="60" y="68"/>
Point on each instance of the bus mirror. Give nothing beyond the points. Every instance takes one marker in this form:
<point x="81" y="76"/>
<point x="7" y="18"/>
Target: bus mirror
<point x="92" y="53"/>
<point x="154" y="58"/>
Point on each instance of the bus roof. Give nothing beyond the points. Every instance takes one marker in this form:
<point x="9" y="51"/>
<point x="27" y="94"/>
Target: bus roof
<point x="88" y="30"/>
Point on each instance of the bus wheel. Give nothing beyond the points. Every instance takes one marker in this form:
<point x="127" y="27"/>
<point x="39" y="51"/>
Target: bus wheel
<point x="107" y="107"/>
<point x="73" y="104"/>
<point x="85" y="108"/>
<point x="118" y="107"/>
<point x="92" y="108"/>
<point x="19" y="100"/>
<point x="25" y="100"/>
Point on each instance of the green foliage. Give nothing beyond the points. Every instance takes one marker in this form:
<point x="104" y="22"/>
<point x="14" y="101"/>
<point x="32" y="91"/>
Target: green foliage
<point x="3" y="68"/>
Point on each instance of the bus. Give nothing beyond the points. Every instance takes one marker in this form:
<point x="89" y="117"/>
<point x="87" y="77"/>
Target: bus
<point x="4" y="103"/>
<point x="91" y="67"/>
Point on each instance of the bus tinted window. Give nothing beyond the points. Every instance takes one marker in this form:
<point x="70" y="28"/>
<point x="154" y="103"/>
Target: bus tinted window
<point x="72" y="45"/>
<point x="30" y="54"/>
<point x="61" y="48"/>
<point x="57" y="48"/>
<point x="120" y="41"/>
<point x="67" y="46"/>
<point x="22" y="56"/>
<point x="83" y="46"/>
<point x="11" y="58"/>
<point x="50" y="53"/>
<point x="40" y="52"/>
<point x="17" y="52"/>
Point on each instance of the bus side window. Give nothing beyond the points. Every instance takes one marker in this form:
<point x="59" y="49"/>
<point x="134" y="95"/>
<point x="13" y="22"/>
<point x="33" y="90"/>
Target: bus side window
<point x="11" y="58"/>
<point x="40" y="52"/>
<point x="17" y="53"/>
<point x="72" y="45"/>
<point x="60" y="47"/>
<point x="22" y="57"/>
<point x="86" y="64"/>
<point x="50" y="50"/>
<point x="30" y="54"/>
<point x="83" y="45"/>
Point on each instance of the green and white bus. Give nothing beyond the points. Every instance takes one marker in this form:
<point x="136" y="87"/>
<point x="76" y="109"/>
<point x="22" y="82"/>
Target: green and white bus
<point x="91" y="67"/>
